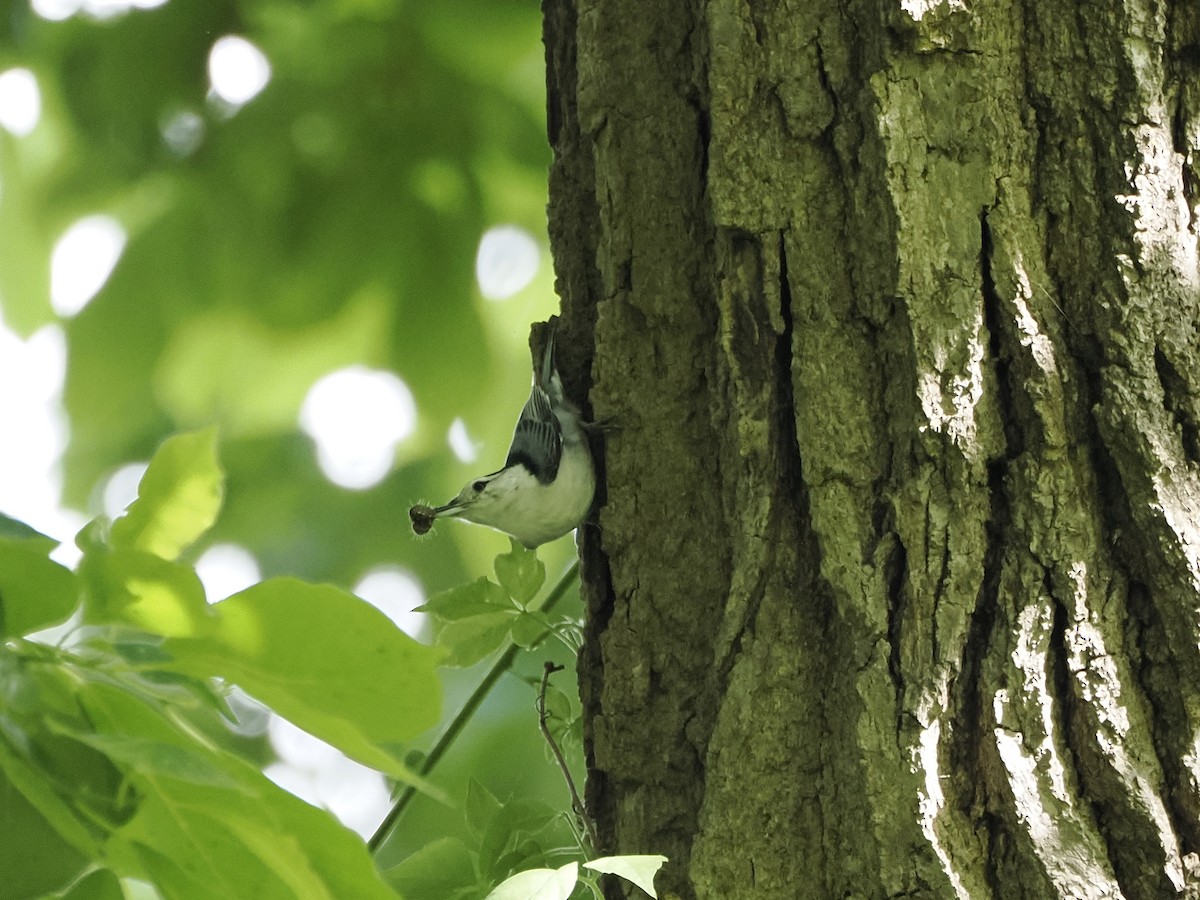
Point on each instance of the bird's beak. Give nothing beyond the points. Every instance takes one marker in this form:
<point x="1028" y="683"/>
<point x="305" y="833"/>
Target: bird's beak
<point x="450" y="509"/>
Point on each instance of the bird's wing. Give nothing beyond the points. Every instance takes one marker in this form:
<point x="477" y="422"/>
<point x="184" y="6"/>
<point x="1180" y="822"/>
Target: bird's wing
<point x="537" y="440"/>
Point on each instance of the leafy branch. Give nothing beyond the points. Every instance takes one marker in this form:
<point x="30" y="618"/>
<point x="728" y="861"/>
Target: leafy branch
<point x="116" y="760"/>
<point x="472" y="621"/>
<point x="502" y="665"/>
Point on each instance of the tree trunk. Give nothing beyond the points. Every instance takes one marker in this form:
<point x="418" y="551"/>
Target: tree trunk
<point x="895" y="309"/>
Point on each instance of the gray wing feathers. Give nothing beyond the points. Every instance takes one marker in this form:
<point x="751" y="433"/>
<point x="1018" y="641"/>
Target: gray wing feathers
<point x="537" y="440"/>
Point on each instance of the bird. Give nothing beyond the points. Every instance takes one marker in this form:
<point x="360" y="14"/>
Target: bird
<point x="546" y="486"/>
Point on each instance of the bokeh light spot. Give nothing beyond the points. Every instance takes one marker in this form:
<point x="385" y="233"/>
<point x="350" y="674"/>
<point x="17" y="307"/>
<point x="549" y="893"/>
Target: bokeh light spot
<point x="506" y="262"/>
<point x="356" y="417"/>
<point x="20" y="101"/>
<point x="237" y="70"/>
<point x="58" y="10"/>
<point x="321" y="775"/>
<point x="395" y="593"/>
<point x="460" y="442"/>
<point x="225" y="569"/>
<point x="121" y="488"/>
<point x="182" y="131"/>
<point x="31" y="379"/>
<point x="82" y="260"/>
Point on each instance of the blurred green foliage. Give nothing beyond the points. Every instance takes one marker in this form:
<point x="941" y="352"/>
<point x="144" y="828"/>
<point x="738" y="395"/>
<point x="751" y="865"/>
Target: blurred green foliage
<point x="116" y="750"/>
<point x="331" y="221"/>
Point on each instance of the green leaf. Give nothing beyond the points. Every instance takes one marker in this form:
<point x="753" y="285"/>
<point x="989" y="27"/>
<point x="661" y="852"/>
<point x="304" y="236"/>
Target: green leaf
<point x="99" y="884"/>
<point x="558" y="705"/>
<point x="138" y="648"/>
<point x="93" y="537"/>
<point x="510" y="827"/>
<point x="75" y="786"/>
<point x="529" y="854"/>
<point x="638" y="869"/>
<point x="35" y="592"/>
<point x="178" y="498"/>
<point x="438" y="869"/>
<point x="471" y="621"/>
<point x="328" y="661"/>
<point x="207" y="823"/>
<point x="34" y="856"/>
<point x="135" y="728"/>
<point x="529" y="630"/>
<point x="520" y="573"/>
<point x="479" y="597"/>
<point x="521" y="818"/>
<point x="160" y="758"/>
<point x="36" y="784"/>
<point x="468" y="641"/>
<point x="198" y="841"/>
<point x="480" y="810"/>
<point x="538" y="884"/>
<point x="146" y="591"/>
<point x="15" y="530"/>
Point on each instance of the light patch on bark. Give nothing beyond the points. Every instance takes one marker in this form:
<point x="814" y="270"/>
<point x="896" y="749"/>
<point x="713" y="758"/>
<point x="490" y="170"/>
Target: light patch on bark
<point x="931" y="801"/>
<point x="1076" y="870"/>
<point x="950" y="396"/>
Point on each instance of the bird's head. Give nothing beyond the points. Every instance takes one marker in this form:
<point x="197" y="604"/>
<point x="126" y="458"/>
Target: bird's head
<point x="483" y="500"/>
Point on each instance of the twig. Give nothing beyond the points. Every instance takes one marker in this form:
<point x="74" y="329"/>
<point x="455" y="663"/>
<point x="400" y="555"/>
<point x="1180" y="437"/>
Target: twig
<point x="576" y="803"/>
<point x="460" y="720"/>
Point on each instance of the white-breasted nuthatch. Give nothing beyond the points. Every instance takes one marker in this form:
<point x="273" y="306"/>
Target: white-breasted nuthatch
<point x="546" y="486"/>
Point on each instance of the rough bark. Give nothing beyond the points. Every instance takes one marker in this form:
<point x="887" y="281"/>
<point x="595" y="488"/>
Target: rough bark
<point x="895" y="590"/>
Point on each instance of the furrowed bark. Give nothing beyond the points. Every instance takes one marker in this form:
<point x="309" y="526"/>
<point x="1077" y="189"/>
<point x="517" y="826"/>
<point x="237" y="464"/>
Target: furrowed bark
<point x="895" y="589"/>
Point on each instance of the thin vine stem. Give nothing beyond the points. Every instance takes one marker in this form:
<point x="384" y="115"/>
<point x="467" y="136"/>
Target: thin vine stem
<point x="468" y="709"/>
<point x="576" y="801"/>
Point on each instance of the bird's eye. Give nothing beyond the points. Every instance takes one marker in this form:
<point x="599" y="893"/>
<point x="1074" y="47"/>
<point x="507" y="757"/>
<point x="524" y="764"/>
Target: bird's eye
<point x="478" y="486"/>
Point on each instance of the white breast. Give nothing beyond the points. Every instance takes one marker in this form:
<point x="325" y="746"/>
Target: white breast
<point x="535" y="513"/>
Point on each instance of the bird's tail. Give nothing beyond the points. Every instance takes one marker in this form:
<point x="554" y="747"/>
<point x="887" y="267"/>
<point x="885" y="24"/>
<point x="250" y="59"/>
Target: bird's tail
<point x="546" y="374"/>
